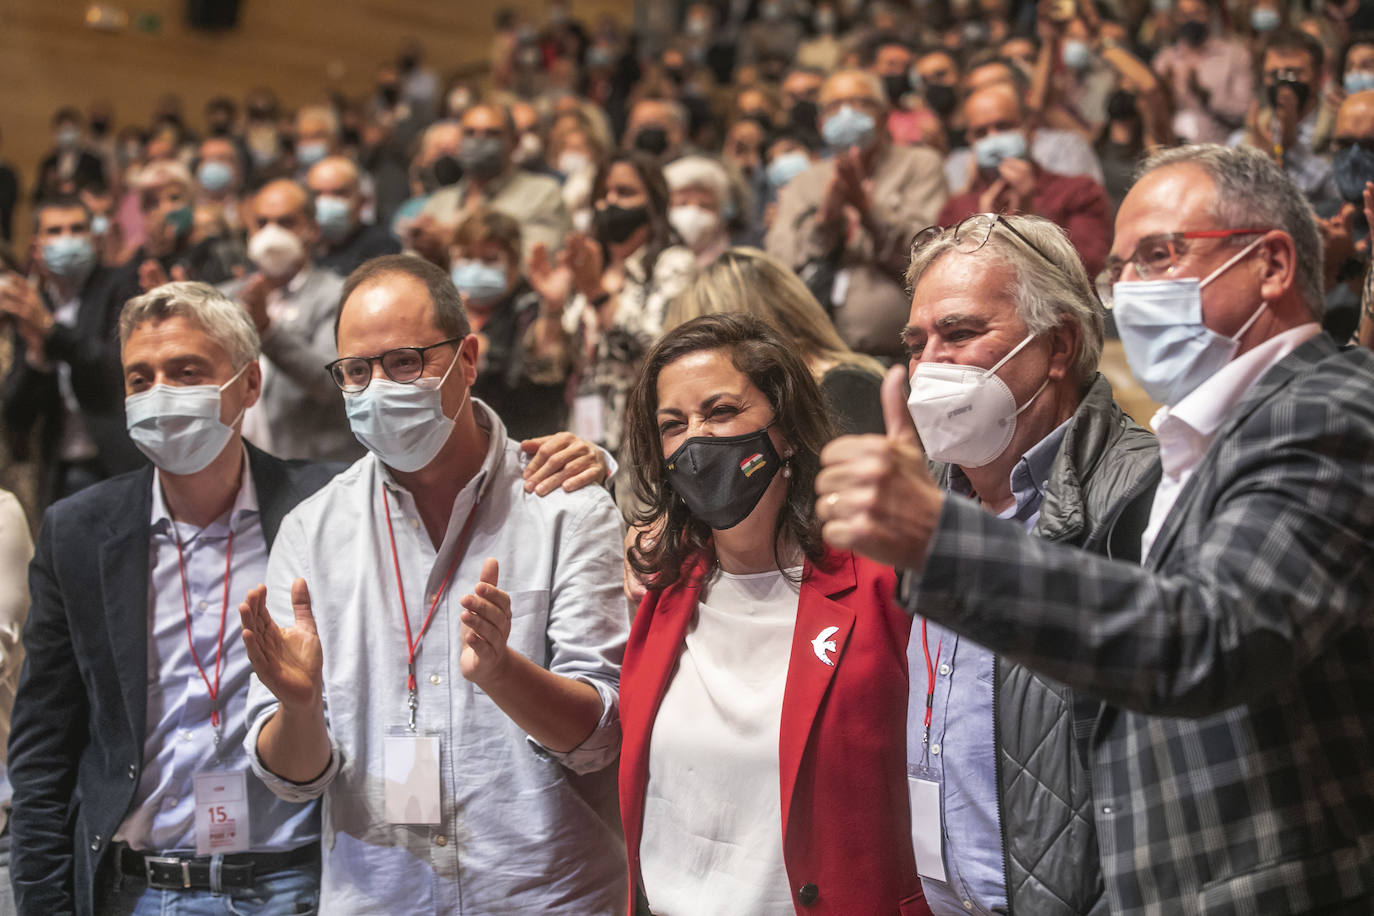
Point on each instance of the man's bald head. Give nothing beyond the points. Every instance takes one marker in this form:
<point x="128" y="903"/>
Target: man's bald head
<point x="336" y="175"/>
<point x="1355" y="119"/>
<point x="282" y="194"/>
<point x="994" y="109"/>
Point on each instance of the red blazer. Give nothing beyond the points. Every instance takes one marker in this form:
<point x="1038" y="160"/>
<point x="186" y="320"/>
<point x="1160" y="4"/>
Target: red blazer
<point x="845" y="815"/>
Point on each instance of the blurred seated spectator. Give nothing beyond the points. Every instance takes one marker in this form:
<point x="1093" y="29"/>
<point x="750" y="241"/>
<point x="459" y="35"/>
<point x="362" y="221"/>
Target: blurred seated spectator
<point x="65" y="381"/>
<point x="526" y="393"/>
<point x="1009" y="181"/>
<point x="70" y="166"/>
<point x="699" y="199"/>
<point x="292" y="302"/>
<point x="845" y="224"/>
<point x="345" y="241"/>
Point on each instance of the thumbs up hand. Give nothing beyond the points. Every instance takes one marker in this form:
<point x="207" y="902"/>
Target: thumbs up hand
<point x="875" y="495"/>
<point x="486" y="627"/>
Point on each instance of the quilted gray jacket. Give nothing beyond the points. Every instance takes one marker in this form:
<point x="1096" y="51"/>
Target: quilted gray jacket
<point x="1044" y="791"/>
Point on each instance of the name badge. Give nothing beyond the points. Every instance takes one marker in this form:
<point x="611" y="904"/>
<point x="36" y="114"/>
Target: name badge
<point x="926" y="828"/>
<point x="412" y="779"/>
<point x="222" y="823"/>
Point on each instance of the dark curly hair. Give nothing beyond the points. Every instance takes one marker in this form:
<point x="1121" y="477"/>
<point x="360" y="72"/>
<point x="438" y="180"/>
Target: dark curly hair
<point x="670" y="535"/>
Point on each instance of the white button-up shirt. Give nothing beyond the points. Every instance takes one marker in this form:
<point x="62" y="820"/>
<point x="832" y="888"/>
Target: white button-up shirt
<point x="519" y="833"/>
<point x="1186" y="430"/>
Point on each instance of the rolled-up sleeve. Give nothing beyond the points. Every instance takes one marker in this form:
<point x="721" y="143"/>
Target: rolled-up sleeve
<point x="588" y="626"/>
<point x="285" y="564"/>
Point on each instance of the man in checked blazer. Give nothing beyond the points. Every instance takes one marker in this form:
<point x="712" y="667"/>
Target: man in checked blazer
<point x="1231" y="757"/>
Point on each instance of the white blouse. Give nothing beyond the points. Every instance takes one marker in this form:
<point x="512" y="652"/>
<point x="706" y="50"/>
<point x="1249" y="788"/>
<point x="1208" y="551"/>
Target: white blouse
<point x="712" y="839"/>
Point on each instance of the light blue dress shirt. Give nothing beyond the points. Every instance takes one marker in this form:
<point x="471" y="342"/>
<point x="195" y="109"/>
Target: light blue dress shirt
<point x="179" y="741"/>
<point x="962" y="753"/>
<point x="522" y="830"/>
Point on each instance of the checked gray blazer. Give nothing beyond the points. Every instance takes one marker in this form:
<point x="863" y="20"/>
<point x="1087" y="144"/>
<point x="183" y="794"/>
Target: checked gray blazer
<point x="1233" y="757"/>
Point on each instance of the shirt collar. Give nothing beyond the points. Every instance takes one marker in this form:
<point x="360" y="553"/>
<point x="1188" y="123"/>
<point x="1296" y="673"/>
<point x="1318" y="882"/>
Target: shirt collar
<point x="1029" y="475"/>
<point x="245" y="503"/>
<point x="1206" y="406"/>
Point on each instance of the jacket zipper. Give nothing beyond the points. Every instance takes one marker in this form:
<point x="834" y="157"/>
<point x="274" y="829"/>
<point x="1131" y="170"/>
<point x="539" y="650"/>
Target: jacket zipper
<point x="997" y="772"/>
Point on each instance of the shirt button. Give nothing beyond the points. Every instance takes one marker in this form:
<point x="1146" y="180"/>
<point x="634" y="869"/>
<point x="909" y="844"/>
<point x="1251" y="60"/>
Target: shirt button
<point x="944" y="668"/>
<point x="434" y="678"/>
<point x="415" y="523"/>
<point x="441" y="840"/>
<point x="935" y="749"/>
<point x="1106" y="809"/>
<point x="186" y="736"/>
<point x="203" y="605"/>
<point x="968" y="905"/>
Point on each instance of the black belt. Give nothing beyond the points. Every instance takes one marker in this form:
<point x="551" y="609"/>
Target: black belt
<point x="193" y="872"/>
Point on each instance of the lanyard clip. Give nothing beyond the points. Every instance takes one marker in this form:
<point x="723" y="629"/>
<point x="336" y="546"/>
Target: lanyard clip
<point x="413" y="702"/>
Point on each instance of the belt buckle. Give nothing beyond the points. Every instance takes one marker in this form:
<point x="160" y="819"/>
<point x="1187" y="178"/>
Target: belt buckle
<point x="173" y="867"/>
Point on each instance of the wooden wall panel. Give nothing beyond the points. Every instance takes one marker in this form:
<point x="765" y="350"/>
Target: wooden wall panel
<point x="48" y="57"/>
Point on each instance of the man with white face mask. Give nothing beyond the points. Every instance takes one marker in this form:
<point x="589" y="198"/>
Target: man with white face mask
<point x="1003" y="341"/>
<point x="1228" y="753"/>
<point x="437" y="649"/>
<point x="700" y="192"/>
<point x="292" y="303"/>
<point x="131" y="785"/>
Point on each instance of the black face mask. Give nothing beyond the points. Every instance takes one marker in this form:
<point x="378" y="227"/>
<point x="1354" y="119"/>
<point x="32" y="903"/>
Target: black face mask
<point x="390" y="94"/>
<point x="407" y="62"/>
<point x="722" y="478"/>
<point x="446" y="170"/>
<point x="1352" y="167"/>
<point x="896" y="85"/>
<point x="1193" y="32"/>
<point x="614" y="224"/>
<point x="676" y="74"/>
<point x="482" y="157"/>
<point x="1301" y="90"/>
<point x="651" y="140"/>
<point x="804" y="115"/>
<point x="100" y="127"/>
<point x="220" y="129"/>
<point x="942" y="99"/>
<point x="1121" y="106"/>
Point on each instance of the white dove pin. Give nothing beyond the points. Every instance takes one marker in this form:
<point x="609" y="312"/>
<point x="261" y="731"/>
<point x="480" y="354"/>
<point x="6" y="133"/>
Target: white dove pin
<point x="823" y="644"/>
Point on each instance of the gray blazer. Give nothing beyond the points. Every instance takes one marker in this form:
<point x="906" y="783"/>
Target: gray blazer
<point x="302" y="405"/>
<point x="1231" y="756"/>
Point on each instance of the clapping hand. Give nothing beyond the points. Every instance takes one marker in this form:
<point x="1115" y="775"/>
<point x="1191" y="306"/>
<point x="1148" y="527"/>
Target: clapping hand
<point x="288" y="660"/>
<point x="486" y="628"/>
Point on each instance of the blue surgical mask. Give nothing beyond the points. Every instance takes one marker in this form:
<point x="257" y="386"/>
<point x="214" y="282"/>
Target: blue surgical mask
<point x="402" y="423"/>
<point x="178" y="426"/>
<point x="1351" y="168"/>
<point x="334" y="216"/>
<point x="1358" y="81"/>
<point x="849" y="127"/>
<point x="1077" y="55"/>
<point x="786" y="167"/>
<point x="69" y="257"/>
<point x="479" y="281"/>
<point x="1264" y="19"/>
<point x="1168" y="347"/>
<point x="992" y="149"/>
<point x="311" y="152"/>
<point x="214" y="176"/>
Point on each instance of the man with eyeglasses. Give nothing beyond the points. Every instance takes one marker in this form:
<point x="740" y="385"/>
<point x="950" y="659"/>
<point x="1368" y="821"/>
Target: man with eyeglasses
<point x="437" y="649"/>
<point x="1009" y="180"/>
<point x="1004" y="339"/>
<point x="849" y="218"/>
<point x="1230" y="752"/>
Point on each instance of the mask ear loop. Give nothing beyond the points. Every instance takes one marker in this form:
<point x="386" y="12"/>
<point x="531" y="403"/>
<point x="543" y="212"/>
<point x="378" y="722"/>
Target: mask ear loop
<point x="467" y="392"/>
<point x="1227" y="266"/>
<point x="1006" y="359"/>
<point x="237" y="375"/>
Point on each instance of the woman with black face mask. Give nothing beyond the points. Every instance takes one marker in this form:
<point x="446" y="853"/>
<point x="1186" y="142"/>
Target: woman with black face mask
<point x="764" y="691"/>
<point x="605" y="294"/>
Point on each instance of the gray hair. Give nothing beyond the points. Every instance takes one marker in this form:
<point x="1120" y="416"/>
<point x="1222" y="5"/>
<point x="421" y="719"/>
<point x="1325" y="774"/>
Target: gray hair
<point x="223" y="319"/>
<point x="1253" y="192"/>
<point x="1044" y="298"/>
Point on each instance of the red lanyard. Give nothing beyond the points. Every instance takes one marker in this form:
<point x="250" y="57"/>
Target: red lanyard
<point x="930" y="675"/>
<point x="223" y="612"/>
<point x="413" y="644"/>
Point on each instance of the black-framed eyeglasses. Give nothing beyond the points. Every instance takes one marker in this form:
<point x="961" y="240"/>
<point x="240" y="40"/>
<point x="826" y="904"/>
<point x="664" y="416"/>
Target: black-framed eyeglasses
<point x="404" y="364"/>
<point x="972" y="233"/>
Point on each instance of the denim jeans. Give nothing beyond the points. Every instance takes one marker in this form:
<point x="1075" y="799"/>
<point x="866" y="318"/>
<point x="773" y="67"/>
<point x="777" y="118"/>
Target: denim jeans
<point x="290" y="892"/>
